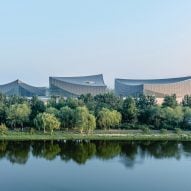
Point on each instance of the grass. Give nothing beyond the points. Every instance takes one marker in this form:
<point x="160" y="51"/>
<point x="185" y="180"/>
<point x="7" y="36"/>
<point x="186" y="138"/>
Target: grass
<point x="100" y="135"/>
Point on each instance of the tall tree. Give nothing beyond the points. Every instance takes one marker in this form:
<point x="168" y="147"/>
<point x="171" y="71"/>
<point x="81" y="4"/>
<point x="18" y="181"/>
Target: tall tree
<point x="170" y="101"/>
<point x="186" y="102"/>
<point x="84" y="120"/>
<point x="145" y="101"/>
<point x="107" y="118"/>
<point x="67" y="117"/>
<point x="129" y="110"/>
<point x="18" y="114"/>
<point x="47" y="122"/>
<point x="37" y="106"/>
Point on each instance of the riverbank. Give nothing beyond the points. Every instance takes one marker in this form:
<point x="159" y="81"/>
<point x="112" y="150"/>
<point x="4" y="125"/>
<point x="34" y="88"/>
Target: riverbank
<point x="100" y="135"/>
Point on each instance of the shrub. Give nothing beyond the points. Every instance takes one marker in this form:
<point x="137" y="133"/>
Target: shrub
<point x="32" y="131"/>
<point x="164" y="131"/>
<point x="178" y="131"/>
<point x="3" y="129"/>
<point x="146" y="130"/>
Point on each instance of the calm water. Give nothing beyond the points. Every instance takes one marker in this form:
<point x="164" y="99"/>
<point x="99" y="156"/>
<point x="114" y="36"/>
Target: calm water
<point x="95" y="166"/>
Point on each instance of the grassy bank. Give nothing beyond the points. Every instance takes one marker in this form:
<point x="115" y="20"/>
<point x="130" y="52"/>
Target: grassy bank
<point x="99" y="135"/>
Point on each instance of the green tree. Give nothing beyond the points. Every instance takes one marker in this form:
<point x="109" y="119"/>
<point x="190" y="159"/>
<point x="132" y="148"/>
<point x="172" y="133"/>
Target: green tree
<point x="186" y="102"/>
<point x="37" y="106"/>
<point x="18" y="114"/>
<point x="89" y="101"/>
<point x="154" y="116"/>
<point x="108" y="119"/>
<point x="84" y="120"/>
<point x="172" y="117"/>
<point x="3" y="129"/>
<point x="74" y="103"/>
<point x="53" y="111"/>
<point x="67" y="117"/>
<point x="3" y="115"/>
<point x="170" y="101"/>
<point x="187" y="117"/>
<point x="52" y="102"/>
<point x="145" y="101"/>
<point x="47" y="122"/>
<point x="109" y="101"/>
<point x="91" y="123"/>
<point x="12" y="100"/>
<point x="129" y="110"/>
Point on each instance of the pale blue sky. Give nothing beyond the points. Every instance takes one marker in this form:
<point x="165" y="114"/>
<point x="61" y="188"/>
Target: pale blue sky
<point x="119" y="38"/>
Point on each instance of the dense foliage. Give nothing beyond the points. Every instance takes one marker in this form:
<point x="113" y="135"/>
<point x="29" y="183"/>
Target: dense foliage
<point x="88" y="113"/>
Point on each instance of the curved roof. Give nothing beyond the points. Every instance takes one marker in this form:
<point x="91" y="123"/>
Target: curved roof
<point x="20" y="88"/>
<point x="152" y="81"/>
<point x="94" y="80"/>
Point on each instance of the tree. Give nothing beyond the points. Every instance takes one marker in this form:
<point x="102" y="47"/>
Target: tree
<point x="37" y="106"/>
<point x="91" y="123"/>
<point x="152" y="116"/>
<point x="67" y="117"/>
<point x="18" y="114"/>
<point x="84" y="120"/>
<point x="74" y="103"/>
<point x="38" y="122"/>
<point x="3" y="129"/>
<point x="172" y="117"/>
<point x="129" y="110"/>
<point x="12" y="100"/>
<point x="187" y="117"/>
<point x="109" y="101"/>
<point x="186" y="102"/>
<point x="145" y="101"/>
<point x="3" y="116"/>
<point x="53" y="111"/>
<point x="89" y="101"/>
<point x="47" y="122"/>
<point x="52" y="102"/>
<point x="170" y="101"/>
<point x="108" y="119"/>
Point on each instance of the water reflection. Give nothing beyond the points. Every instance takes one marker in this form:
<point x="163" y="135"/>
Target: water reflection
<point x="130" y="153"/>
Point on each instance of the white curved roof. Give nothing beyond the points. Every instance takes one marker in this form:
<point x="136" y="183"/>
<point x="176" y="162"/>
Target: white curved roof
<point x="94" y="80"/>
<point x="152" y="81"/>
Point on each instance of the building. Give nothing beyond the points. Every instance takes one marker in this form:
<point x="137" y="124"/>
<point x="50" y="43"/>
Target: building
<point x="20" y="88"/>
<point x="157" y="87"/>
<point x="76" y="86"/>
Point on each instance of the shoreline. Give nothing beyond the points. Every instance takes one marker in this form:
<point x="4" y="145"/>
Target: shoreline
<point x="105" y="135"/>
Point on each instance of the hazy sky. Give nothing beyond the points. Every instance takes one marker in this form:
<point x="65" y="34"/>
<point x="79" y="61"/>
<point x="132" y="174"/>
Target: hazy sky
<point x="119" y="38"/>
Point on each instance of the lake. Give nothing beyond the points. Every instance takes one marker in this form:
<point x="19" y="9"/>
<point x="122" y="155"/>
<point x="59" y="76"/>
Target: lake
<point x="95" y="166"/>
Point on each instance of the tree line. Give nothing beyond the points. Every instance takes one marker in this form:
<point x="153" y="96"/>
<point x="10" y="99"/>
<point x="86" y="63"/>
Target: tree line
<point x="87" y="113"/>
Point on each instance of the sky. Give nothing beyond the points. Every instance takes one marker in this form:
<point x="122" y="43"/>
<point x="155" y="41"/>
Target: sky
<point x="119" y="38"/>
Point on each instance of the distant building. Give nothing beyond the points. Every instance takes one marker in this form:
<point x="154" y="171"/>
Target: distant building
<point x="76" y="86"/>
<point x="20" y="88"/>
<point x="157" y="87"/>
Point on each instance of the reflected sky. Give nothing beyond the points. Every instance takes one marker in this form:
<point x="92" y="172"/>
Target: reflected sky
<point x="95" y="165"/>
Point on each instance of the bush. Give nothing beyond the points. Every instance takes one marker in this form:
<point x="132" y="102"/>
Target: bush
<point x="178" y="131"/>
<point x="146" y="130"/>
<point x="3" y="129"/>
<point x="32" y="131"/>
<point x="164" y="131"/>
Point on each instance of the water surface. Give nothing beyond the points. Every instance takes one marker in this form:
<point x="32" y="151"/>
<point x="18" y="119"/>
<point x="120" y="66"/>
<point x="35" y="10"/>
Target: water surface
<point x="95" y="165"/>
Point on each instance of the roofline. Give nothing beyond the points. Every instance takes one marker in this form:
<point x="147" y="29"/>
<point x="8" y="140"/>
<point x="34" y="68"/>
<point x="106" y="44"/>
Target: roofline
<point x="174" y="78"/>
<point x="85" y="84"/>
<point x="21" y="82"/>
<point x="70" y="77"/>
<point x="75" y="76"/>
